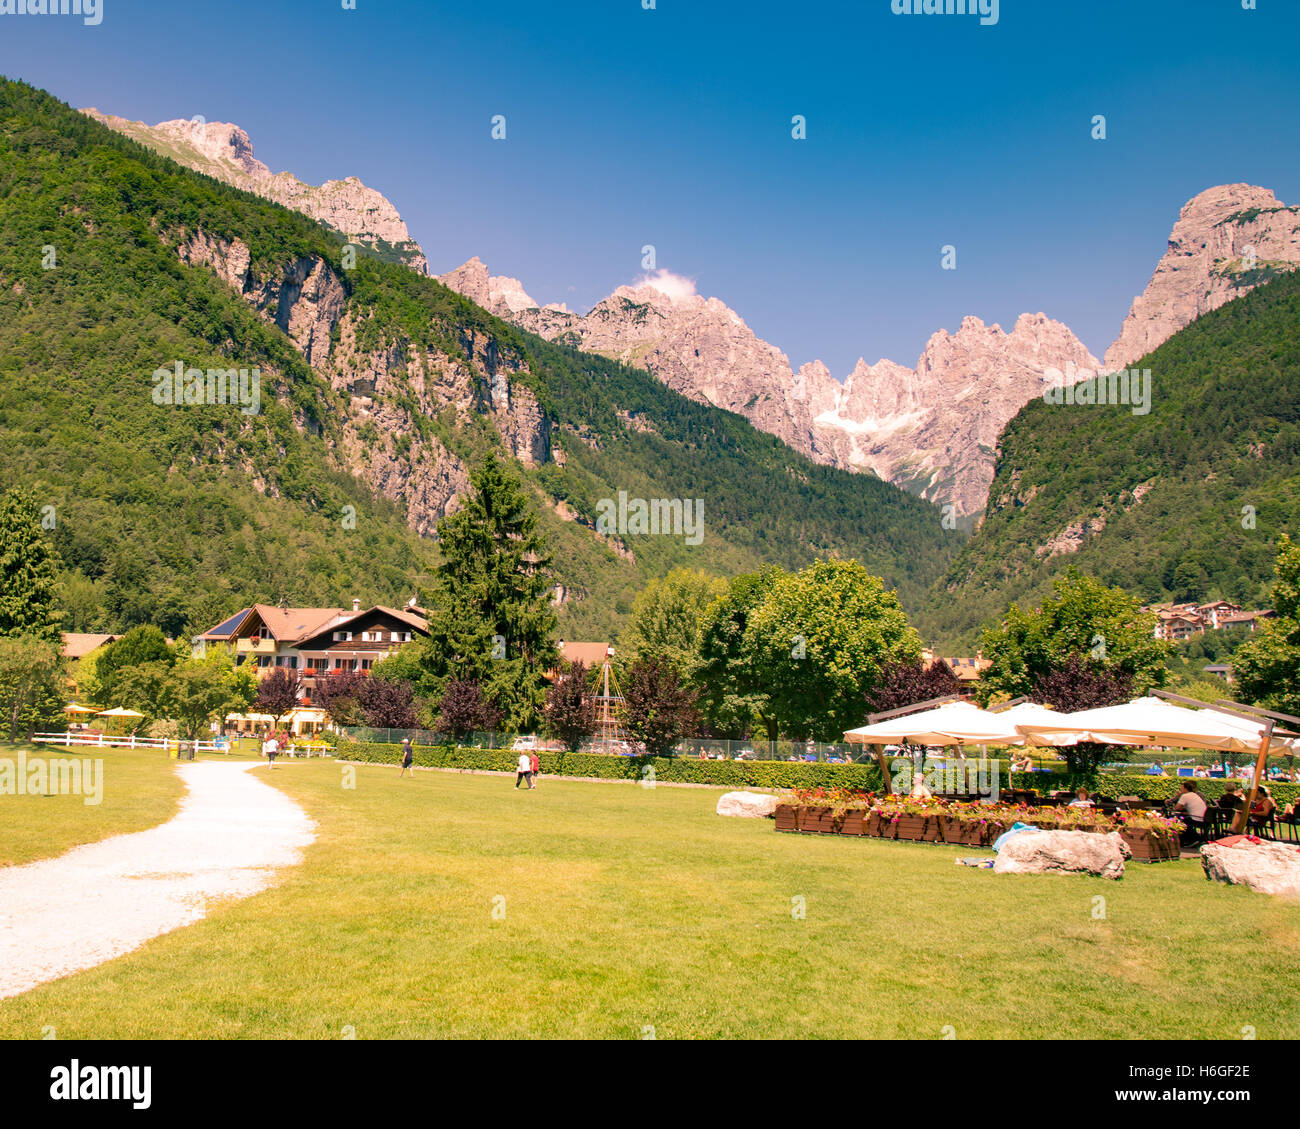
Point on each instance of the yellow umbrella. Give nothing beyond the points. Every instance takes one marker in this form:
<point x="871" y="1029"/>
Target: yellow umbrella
<point x="74" y="708"/>
<point x="120" y="711"/>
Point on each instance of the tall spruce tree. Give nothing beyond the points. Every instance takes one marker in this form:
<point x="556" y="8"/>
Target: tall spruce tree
<point x="29" y="593"/>
<point x="490" y="616"/>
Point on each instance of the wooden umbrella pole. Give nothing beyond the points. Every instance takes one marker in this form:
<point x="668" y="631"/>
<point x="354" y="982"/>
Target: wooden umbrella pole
<point x="1261" y="766"/>
<point x="884" y="767"/>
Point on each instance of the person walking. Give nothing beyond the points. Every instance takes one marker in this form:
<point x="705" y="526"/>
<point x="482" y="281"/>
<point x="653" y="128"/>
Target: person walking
<point x="534" y="769"/>
<point x="270" y="747"/>
<point x="408" y="758"/>
<point x="524" y="770"/>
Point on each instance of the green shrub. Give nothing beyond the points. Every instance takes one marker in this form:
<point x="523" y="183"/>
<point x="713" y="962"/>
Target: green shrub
<point x="1148" y="787"/>
<point x="676" y="770"/>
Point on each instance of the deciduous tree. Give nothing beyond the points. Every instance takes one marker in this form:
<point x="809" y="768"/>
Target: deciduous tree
<point x="571" y="708"/>
<point x="659" y="710"/>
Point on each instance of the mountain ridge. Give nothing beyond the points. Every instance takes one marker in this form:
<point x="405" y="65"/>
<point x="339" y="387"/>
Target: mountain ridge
<point x="379" y="387"/>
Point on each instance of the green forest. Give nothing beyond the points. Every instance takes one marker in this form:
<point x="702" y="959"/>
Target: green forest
<point x="1186" y="503"/>
<point x="179" y="517"/>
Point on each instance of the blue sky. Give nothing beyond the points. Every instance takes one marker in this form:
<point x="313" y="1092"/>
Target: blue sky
<point x="672" y="127"/>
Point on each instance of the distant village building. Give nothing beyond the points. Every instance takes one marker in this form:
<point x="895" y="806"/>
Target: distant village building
<point x="966" y="669"/>
<point x="79" y="644"/>
<point x="1179" y="622"/>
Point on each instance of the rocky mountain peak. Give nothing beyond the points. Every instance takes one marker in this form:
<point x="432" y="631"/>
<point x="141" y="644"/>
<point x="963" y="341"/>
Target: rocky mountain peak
<point x="1226" y="241"/>
<point x="225" y="151"/>
<point x="497" y="294"/>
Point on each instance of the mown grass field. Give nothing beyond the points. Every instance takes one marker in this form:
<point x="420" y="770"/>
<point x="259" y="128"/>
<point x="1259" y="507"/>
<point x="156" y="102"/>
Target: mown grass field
<point x="623" y="911"/>
<point x="139" y="792"/>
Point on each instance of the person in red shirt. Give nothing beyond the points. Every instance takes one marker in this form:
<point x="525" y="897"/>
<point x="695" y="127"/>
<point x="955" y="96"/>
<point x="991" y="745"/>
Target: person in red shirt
<point x="536" y="766"/>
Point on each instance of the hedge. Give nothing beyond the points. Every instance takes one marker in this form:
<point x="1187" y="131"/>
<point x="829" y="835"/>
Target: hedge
<point x="674" y="770"/>
<point x="1115" y="784"/>
<point x="768" y="774"/>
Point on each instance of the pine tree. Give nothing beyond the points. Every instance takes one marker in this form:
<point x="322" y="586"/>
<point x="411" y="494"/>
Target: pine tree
<point x="490" y="616"/>
<point x="29" y="602"/>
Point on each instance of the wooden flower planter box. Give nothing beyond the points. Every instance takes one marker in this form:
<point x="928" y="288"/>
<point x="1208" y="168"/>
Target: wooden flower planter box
<point x="933" y="832"/>
<point x="910" y="827"/>
<point x="817" y="819"/>
<point x="1151" y="848"/>
<point x="853" y="823"/>
<point x="954" y="830"/>
<point x="787" y="817"/>
<point x="874" y="823"/>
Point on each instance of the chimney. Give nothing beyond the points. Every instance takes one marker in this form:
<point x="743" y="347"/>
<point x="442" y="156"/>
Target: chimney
<point x="356" y="604"/>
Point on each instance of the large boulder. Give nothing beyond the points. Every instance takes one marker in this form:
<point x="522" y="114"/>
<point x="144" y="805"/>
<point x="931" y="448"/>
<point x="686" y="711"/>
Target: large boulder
<point x="752" y="805"/>
<point x="1270" y="868"/>
<point x="1063" y="852"/>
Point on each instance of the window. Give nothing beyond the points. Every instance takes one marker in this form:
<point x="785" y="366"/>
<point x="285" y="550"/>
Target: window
<point x="366" y="664"/>
<point x="263" y="661"/>
<point x="343" y="636"/>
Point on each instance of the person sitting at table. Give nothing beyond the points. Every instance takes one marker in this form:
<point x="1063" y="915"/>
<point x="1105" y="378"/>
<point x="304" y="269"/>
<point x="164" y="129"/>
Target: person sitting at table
<point x="1263" y="809"/>
<point x="1231" y="800"/>
<point x="1292" y="813"/>
<point x="1081" y="800"/>
<point x="1191" y="803"/>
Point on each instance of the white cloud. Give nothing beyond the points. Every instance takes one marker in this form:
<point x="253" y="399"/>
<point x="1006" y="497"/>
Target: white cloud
<point x="674" y="287"/>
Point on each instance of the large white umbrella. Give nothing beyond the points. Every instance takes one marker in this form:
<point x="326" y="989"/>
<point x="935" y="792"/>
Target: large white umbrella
<point x="120" y="711"/>
<point x="1153" y="722"/>
<point x="956" y="723"/>
<point x="1029" y="714"/>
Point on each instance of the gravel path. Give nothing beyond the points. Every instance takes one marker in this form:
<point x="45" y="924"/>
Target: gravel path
<point x="99" y="901"/>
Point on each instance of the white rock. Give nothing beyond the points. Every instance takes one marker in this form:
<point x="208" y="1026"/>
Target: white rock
<point x="1270" y="868"/>
<point x="751" y="805"/>
<point x="1063" y="852"/>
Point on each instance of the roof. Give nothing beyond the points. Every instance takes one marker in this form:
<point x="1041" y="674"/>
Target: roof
<point x="78" y="644"/>
<point x="227" y="627"/>
<point x="342" y="623"/>
<point x="292" y="625"/>
<point x="968" y="670"/>
<point x="288" y="625"/>
<point x="406" y="615"/>
<point x="591" y="654"/>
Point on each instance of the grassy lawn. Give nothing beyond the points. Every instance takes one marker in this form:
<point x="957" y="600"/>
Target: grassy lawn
<point x="627" y="909"/>
<point x="140" y="791"/>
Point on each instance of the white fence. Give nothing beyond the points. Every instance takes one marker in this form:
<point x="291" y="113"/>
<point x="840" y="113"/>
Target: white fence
<point x="108" y="741"/>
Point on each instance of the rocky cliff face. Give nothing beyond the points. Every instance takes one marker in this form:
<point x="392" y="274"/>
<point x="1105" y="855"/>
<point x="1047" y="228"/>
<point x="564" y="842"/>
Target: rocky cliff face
<point x="1227" y="241"/>
<point x="932" y="429"/>
<point x="224" y="151"/>
<point x="390" y="394"/>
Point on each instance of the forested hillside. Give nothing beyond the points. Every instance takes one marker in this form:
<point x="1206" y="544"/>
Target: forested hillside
<point x="1184" y="503"/>
<point x="178" y="515"/>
